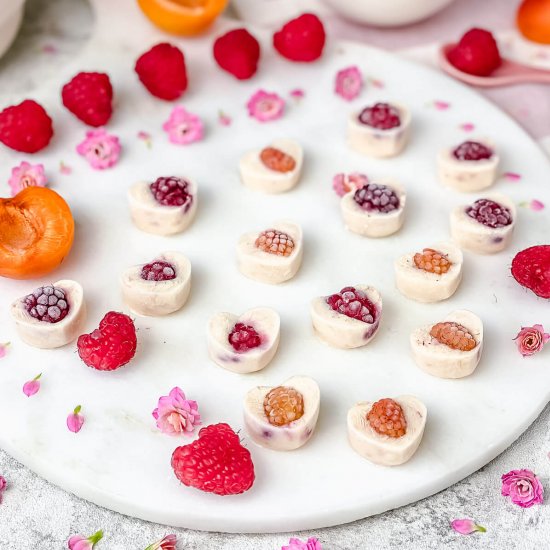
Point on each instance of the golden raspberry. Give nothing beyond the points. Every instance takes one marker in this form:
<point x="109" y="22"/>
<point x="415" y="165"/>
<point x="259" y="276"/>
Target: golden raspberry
<point x="277" y="160"/>
<point x="275" y="242"/>
<point x="453" y="335"/>
<point x="432" y="261"/>
<point x="283" y="405"/>
<point x="386" y="418"/>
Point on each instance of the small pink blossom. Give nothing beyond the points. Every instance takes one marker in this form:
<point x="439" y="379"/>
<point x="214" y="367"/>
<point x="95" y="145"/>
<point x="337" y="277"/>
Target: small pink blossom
<point x="146" y="138"/>
<point x="467" y="127"/>
<point x="511" y="176"/>
<point x="4" y="349"/>
<point x="531" y="340"/>
<point x="32" y="386"/>
<point x="265" y="106"/>
<point x="176" y="415"/>
<point x="297" y="94"/>
<point x="26" y="175"/>
<point x="344" y="183"/>
<point x="466" y="526"/>
<point x="3" y="485"/>
<point x="348" y="83"/>
<point x="297" y="544"/>
<point x="183" y="127"/>
<point x="65" y="169"/>
<point x="523" y="487"/>
<point x="167" y="543"/>
<point x="441" y="105"/>
<point x="224" y="119"/>
<point x="75" y="420"/>
<point x="100" y="149"/>
<point x="78" y="542"/>
<point x="536" y="205"/>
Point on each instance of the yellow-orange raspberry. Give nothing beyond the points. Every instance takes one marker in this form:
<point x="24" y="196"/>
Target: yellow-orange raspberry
<point x="277" y="160"/>
<point x="283" y="405"/>
<point x="275" y="242"/>
<point x="432" y="261"/>
<point x="453" y="335"/>
<point x="386" y="418"/>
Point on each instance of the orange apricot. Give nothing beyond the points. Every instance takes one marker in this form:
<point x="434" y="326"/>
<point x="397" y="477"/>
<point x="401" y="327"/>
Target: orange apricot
<point x="533" y="20"/>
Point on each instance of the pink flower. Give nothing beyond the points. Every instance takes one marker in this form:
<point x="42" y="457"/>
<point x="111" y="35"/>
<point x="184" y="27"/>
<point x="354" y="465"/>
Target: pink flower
<point x="78" y="542"/>
<point x="344" y="183"/>
<point x="466" y="526"/>
<point x="64" y="168"/>
<point x="75" y="420"/>
<point x="26" y="175"/>
<point x="523" y="487"/>
<point x="4" y="349"/>
<point x="223" y="119"/>
<point x="536" y="205"/>
<point x="531" y="340"/>
<point x="467" y="127"/>
<point x="100" y="149"/>
<point x="511" y="176"/>
<point x="297" y="94"/>
<point x="349" y="82"/>
<point x="3" y="484"/>
<point x="441" y="105"/>
<point x="265" y="106"/>
<point x="297" y="544"/>
<point x="167" y="543"/>
<point x="175" y="414"/>
<point x="32" y="386"/>
<point x="183" y="127"/>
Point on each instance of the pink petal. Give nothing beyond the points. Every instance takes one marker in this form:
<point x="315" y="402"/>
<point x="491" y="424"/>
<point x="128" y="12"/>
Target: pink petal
<point x="511" y="176"/>
<point x="297" y="93"/>
<point x="4" y="349"/>
<point x="536" y="205"/>
<point x="467" y="127"/>
<point x="75" y="420"/>
<point x="31" y="387"/>
<point x="466" y="526"/>
<point x="64" y="168"/>
<point x="441" y="105"/>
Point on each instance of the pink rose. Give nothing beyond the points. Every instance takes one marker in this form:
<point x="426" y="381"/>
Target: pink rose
<point x="297" y="544"/>
<point x="183" y="127"/>
<point x="466" y="526"/>
<point x="167" y="543"/>
<point x="523" y="487"/>
<point x="26" y="175"/>
<point x="349" y="83"/>
<point x="265" y="106"/>
<point x="175" y="414"/>
<point x="78" y="542"/>
<point x="100" y="149"/>
<point x="344" y="183"/>
<point x="531" y="340"/>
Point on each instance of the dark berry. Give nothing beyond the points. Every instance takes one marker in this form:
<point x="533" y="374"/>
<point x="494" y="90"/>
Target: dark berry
<point x="378" y="198"/>
<point x="381" y="115"/>
<point x="244" y="337"/>
<point x="172" y="191"/>
<point x="490" y="213"/>
<point x="353" y="303"/>
<point x="472" y="150"/>
<point x="158" y="271"/>
<point x="47" y="303"/>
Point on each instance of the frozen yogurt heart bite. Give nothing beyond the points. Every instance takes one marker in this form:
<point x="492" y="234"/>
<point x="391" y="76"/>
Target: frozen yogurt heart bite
<point x="430" y="275"/>
<point x="159" y="287"/>
<point x="245" y="343"/>
<point x="374" y="210"/>
<point x="165" y="207"/>
<point x="274" y="169"/>
<point x="380" y="130"/>
<point x="273" y="255"/>
<point x="486" y="226"/>
<point x="389" y="431"/>
<point x="51" y="316"/>
<point x="450" y="348"/>
<point x="469" y="167"/>
<point x="283" y="418"/>
<point x="348" y="319"/>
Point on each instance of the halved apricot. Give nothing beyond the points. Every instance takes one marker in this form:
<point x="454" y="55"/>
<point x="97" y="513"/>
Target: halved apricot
<point x="36" y="233"/>
<point x="533" y="20"/>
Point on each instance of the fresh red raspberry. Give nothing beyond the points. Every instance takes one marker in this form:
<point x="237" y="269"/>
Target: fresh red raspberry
<point x="215" y="463"/>
<point x="25" y="127"/>
<point x="89" y="97"/>
<point x="158" y="271"/>
<point x="237" y="52"/>
<point x="490" y="213"/>
<point x="244" y="337"/>
<point x="472" y="150"/>
<point x="353" y="303"/>
<point x="111" y="345"/>
<point x="47" y="303"/>
<point x="172" y="191"/>
<point x="382" y="116"/>
<point x="531" y="269"/>
<point x="377" y="198"/>
<point x="301" y="39"/>
<point x="476" y="53"/>
<point x="162" y="71"/>
<point x="386" y="418"/>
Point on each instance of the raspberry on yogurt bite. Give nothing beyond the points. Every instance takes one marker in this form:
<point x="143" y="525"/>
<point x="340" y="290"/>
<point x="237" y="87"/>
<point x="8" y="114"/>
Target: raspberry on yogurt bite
<point x="453" y="335"/>
<point x="472" y="150"/>
<point x="382" y="116"/>
<point x="353" y="303"/>
<point x="277" y="160"/>
<point x="275" y="242"/>
<point x="283" y="405"/>
<point x="386" y="418"/>
<point x="374" y="197"/>
<point x="48" y="304"/>
<point x="172" y="191"/>
<point x="244" y="338"/>
<point x="490" y="213"/>
<point x="158" y="271"/>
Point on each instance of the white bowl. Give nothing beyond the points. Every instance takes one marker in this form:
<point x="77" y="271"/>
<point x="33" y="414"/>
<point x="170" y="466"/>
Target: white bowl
<point x="11" y="15"/>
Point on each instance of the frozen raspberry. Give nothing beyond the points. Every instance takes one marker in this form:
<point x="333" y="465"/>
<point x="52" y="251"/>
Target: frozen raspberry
<point x="89" y="97"/>
<point x="301" y="39"/>
<point x="275" y="242"/>
<point x="244" y="337"/>
<point x="25" y="127"/>
<point x="158" y="271"/>
<point x="378" y="198"/>
<point x="283" y="405"/>
<point x="432" y="261"/>
<point x="453" y="335"/>
<point x="531" y="269"/>
<point x="215" y="463"/>
<point x="353" y="303"/>
<point x="47" y="303"/>
<point x="476" y="53"/>
<point x="111" y="345"/>
<point x="172" y="191"/>
<point x="162" y="71"/>
<point x="277" y="160"/>
<point x="238" y="53"/>
<point x="381" y="115"/>
<point x="490" y="213"/>
<point x="472" y="150"/>
<point x="386" y="418"/>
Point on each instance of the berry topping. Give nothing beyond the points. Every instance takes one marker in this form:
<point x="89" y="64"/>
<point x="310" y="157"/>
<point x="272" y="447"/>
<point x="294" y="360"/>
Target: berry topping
<point x="238" y="53"/>
<point x="89" y="97"/>
<point x="158" y="271"/>
<point x="381" y="115"/>
<point x="531" y="269"/>
<point x="244" y="337"/>
<point x="386" y="418"/>
<point x="25" y="127"/>
<point x="215" y="463"/>
<point x="277" y="160"/>
<point x="172" y="191"/>
<point x="283" y="405"/>
<point x="377" y="198"/>
<point x="111" y="345"/>
<point x="432" y="261"/>
<point x="490" y="213"/>
<point x="454" y="336"/>
<point x="301" y="39"/>
<point x="476" y="53"/>
<point x="47" y="303"/>
<point x="275" y="242"/>
<point x="472" y="150"/>
<point x="353" y="303"/>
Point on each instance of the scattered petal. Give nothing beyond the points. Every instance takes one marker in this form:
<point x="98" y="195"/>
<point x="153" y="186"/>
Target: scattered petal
<point x="297" y="94"/>
<point x="26" y="175"/>
<point x="78" y="542"/>
<point x="467" y="127"/>
<point x="441" y="105"/>
<point x="511" y="176"/>
<point x="65" y="168"/>
<point x="167" y="543"/>
<point x="4" y="349"/>
<point x="536" y="205"/>
<point x="183" y="127"/>
<point x="75" y="420"/>
<point x="349" y="82"/>
<point x="531" y="340"/>
<point x="146" y="138"/>
<point x="376" y="83"/>
<point x="223" y="119"/>
<point x="344" y="183"/>
<point x="3" y="485"/>
<point x="466" y="526"/>
<point x="32" y="386"/>
<point x="175" y="414"/>
<point x="265" y="106"/>
<point x="49" y="48"/>
<point x="523" y="487"/>
<point x="100" y="149"/>
<point x="296" y="544"/>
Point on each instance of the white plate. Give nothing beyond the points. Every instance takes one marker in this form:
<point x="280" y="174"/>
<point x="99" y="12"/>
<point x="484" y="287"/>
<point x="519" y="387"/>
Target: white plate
<point x="119" y="459"/>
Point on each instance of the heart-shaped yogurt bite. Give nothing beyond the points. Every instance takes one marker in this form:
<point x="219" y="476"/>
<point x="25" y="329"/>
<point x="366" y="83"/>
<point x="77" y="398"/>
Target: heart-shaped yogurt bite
<point x="283" y="418"/>
<point x="430" y="275"/>
<point x="348" y="319"/>
<point x="375" y="210"/>
<point x="159" y="287"/>
<point x="275" y="169"/>
<point x="51" y="316"/>
<point x="272" y="255"/>
<point x="164" y="207"/>
<point x="450" y="348"/>
<point x="389" y="431"/>
<point x="245" y="343"/>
